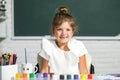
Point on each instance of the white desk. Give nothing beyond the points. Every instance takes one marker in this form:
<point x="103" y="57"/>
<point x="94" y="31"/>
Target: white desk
<point x="106" y="77"/>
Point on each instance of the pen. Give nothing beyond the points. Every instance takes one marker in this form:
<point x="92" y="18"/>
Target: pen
<point x="6" y="59"/>
<point x="11" y="60"/>
<point x="3" y="61"/>
<point x="14" y="58"/>
<point x="0" y="60"/>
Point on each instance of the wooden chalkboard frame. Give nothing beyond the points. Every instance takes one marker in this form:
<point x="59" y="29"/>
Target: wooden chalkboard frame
<point x="39" y="37"/>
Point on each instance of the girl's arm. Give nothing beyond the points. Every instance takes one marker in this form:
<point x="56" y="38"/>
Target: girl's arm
<point x="44" y="66"/>
<point x="82" y="65"/>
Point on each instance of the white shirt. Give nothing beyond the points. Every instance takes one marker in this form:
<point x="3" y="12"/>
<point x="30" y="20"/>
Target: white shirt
<point x="63" y="62"/>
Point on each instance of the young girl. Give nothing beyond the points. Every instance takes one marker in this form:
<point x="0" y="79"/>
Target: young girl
<point x="64" y="54"/>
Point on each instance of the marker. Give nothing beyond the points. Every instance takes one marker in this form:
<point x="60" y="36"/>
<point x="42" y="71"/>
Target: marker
<point x="45" y="76"/>
<point x="11" y="60"/>
<point x="3" y="61"/>
<point x="31" y="76"/>
<point x="69" y="77"/>
<point x="76" y="77"/>
<point x="38" y="76"/>
<point x="17" y="76"/>
<point x="24" y="76"/>
<point x="61" y="77"/>
<point x="14" y="58"/>
<point x="0" y="60"/>
<point x="89" y="76"/>
<point x="83" y="77"/>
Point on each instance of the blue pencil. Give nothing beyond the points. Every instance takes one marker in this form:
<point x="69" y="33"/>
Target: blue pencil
<point x="25" y="56"/>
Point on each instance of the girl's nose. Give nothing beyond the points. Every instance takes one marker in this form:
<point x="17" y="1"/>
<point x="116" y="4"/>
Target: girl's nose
<point x="63" y="32"/>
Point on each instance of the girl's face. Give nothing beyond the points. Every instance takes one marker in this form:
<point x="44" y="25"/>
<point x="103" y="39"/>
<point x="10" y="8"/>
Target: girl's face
<point x="63" y="33"/>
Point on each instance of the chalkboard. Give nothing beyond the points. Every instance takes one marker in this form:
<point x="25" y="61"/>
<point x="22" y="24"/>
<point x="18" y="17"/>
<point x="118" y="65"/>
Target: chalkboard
<point x="93" y="17"/>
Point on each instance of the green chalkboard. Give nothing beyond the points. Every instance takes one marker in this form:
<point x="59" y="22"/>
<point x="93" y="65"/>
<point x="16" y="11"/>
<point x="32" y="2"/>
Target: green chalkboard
<point x="93" y="17"/>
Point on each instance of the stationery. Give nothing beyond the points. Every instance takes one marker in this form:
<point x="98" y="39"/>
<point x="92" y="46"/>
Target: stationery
<point x="7" y="59"/>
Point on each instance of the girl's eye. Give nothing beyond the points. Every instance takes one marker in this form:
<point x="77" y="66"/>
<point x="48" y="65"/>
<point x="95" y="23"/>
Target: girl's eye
<point x="67" y="29"/>
<point x="59" y="29"/>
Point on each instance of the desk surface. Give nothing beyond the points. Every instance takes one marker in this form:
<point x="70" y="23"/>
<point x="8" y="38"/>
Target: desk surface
<point x="107" y="77"/>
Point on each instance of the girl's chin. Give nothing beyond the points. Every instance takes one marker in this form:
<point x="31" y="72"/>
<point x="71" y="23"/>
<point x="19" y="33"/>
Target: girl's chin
<point x="63" y="41"/>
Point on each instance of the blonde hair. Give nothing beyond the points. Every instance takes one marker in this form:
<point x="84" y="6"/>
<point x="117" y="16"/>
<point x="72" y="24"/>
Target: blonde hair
<point x="61" y="16"/>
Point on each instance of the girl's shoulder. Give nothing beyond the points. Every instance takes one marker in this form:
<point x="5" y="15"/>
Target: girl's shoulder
<point x="48" y="42"/>
<point x="77" y="47"/>
<point x="75" y="42"/>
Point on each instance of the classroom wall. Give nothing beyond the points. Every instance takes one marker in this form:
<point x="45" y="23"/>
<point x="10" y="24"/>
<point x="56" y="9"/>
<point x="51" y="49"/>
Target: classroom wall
<point x="105" y="53"/>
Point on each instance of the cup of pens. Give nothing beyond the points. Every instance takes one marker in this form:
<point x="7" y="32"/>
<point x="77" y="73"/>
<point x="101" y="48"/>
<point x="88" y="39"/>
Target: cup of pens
<point x="28" y="67"/>
<point x="8" y="66"/>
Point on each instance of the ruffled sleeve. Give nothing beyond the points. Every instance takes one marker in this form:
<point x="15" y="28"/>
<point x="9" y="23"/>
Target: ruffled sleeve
<point x="46" y="49"/>
<point x="77" y="47"/>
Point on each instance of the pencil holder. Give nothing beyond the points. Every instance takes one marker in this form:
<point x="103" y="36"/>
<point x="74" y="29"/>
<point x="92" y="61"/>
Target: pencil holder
<point x="7" y="72"/>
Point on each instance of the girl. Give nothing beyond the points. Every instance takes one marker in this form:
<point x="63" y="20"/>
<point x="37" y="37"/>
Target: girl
<point x="64" y="54"/>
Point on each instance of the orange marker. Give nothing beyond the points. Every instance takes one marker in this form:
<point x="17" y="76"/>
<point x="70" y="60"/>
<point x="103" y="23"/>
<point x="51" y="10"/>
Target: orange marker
<point x="24" y="76"/>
